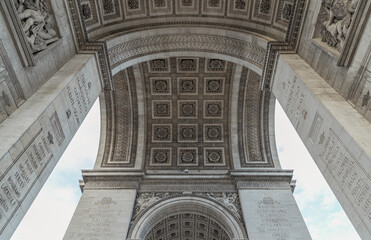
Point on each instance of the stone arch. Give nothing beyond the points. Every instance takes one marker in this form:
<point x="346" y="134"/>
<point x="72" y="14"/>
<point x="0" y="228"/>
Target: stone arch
<point x="242" y="47"/>
<point x="187" y="204"/>
<point x="121" y="63"/>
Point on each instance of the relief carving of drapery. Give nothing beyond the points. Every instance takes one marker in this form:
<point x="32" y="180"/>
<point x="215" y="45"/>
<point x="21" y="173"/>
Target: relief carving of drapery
<point x="335" y="18"/>
<point x="37" y="23"/>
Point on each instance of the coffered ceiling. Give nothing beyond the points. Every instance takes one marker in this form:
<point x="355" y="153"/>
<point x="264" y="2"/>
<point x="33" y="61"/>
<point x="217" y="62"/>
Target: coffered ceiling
<point x="188" y="109"/>
<point x="186" y="121"/>
<point x="187" y="226"/>
<point x="105" y="17"/>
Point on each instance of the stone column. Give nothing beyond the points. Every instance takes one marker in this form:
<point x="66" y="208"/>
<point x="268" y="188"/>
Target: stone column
<point x="106" y="206"/>
<point x="269" y="209"/>
<point x="34" y="137"/>
<point x="335" y="134"/>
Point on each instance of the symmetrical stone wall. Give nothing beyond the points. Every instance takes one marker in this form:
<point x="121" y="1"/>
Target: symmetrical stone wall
<point x="29" y="157"/>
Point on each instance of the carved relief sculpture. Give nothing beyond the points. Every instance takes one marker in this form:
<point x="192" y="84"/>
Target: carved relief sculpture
<point x="336" y="18"/>
<point x="37" y="23"/>
<point x="265" y="6"/>
<point x="86" y="11"/>
<point x="145" y="200"/>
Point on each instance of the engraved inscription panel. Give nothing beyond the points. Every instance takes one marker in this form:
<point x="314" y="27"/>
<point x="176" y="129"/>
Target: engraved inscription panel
<point x="18" y="179"/>
<point x="274" y="219"/>
<point x="346" y="171"/>
<point x="79" y="98"/>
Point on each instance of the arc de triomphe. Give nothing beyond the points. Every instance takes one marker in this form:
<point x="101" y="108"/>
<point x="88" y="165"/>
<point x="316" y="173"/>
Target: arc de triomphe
<point x="187" y="91"/>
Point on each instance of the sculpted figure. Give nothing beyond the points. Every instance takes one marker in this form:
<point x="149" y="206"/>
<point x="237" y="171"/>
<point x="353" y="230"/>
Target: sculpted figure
<point x="36" y="23"/>
<point x="335" y="29"/>
<point x="228" y="199"/>
<point x="145" y="200"/>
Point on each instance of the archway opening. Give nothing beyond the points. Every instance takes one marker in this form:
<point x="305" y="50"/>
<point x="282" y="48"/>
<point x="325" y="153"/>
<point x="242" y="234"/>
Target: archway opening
<point x="188" y="226"/>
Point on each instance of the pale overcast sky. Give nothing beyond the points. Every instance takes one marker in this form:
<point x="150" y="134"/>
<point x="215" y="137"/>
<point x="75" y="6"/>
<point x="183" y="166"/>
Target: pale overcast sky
<point x="51" y="212"/>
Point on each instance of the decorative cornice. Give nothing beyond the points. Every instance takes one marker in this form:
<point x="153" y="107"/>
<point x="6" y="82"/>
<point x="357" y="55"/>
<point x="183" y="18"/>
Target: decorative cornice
<point x="288" y="46"/>
<point x="187" y="42"/>
<point x="122" y="123"/>
<point x="253" y="140"/>
<point x="86" y="46"/>
<point x="187" y="185"/>
<point x="272" y="179"/>
<point x="110" y="180"/>
<point x="274" y="47"/>
<point x="245" y="184"/>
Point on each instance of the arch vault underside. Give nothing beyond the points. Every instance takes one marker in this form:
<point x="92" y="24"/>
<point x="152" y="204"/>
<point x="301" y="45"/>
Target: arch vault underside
<point x="187" y="90"/>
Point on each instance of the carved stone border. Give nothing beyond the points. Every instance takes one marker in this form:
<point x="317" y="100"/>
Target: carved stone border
<point x="195" y="184"/>
<point x="229" y="46"/>
<point x="112" y="102"/>
<point x="86" y="46"/>
<point x="104" y="180"/>
<point x="276" y="179"/>
<point x="253" y="154"/>
<point x="290" y="44"/>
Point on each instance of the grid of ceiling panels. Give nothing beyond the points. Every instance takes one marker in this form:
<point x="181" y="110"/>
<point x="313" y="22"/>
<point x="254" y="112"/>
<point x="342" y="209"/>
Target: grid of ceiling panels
<point x="187" y="101"/>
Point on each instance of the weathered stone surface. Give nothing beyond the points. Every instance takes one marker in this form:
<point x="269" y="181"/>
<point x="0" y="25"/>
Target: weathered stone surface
<point x="102" y="214"/>
<point x="272" y="214"/>
<point x="336" y="135"/>
<point x="193" y="117"/>
<point x="34" y="137"/>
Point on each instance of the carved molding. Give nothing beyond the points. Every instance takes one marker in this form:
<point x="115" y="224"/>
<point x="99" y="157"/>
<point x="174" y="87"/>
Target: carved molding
<point x="86" y="46"/>
<point x="187" y="42"/>
<point x="275" y="180"/>
<point x="253" y="143"/>
<point x="288" y="46"/>
<point x="122" y="123"/>
<point x="102" y="181"/>
<point x="187" y="185"/>
<point x="262" y="185"/>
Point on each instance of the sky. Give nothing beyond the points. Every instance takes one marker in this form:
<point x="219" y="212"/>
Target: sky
<point x="52" y="210"/>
